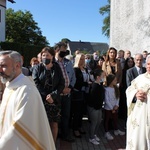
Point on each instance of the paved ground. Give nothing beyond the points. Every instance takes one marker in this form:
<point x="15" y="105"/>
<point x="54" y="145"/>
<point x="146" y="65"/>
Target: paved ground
<point x="83" y="143"/>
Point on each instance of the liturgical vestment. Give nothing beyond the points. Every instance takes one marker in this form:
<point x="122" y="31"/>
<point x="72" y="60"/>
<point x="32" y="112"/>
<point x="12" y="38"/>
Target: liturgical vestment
<point x="138" y="123"/>
<point x="23" y="121"/>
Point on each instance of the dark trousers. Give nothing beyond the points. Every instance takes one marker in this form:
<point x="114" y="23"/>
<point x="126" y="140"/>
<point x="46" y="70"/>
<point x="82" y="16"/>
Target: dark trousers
<point x="65" y="115"/>
<point x="110" y="116"/>
<point x="122" y="114"/>
<point x="77" y="114"/>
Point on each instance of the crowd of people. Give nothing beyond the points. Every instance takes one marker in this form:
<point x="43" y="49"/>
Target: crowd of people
<point x="71" y="87"/>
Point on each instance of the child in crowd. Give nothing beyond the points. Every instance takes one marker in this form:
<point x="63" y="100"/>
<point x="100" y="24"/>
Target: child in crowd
<point x="95" y="105"/>
<point x="111" y="106"/>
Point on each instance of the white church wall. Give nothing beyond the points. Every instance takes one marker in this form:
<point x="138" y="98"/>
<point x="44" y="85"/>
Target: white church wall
<point x="2" y="19"/>
<point x="130" y="25"/>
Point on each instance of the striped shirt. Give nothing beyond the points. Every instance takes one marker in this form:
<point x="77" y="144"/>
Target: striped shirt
<point x="64" y="72"/>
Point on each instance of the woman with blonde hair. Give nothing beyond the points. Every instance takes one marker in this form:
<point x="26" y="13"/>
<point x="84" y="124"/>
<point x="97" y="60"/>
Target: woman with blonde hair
<point x="78" y="97"/>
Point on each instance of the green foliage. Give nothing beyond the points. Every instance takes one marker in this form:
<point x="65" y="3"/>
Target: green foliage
<point x="21" y="27"/>
<point x="65" y="40"/>
<point x="105" y="10"/>
<point x="26" y="50"/>
<point x="106" y="27"/>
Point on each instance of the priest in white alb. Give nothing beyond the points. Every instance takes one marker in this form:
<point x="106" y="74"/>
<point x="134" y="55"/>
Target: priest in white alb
<point x="138" y="102"/>
<point x="23" y="121"/>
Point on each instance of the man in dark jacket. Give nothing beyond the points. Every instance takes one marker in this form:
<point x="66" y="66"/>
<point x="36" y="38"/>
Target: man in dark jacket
<point x="70" y="79"/>
<point x="132" y="73"/>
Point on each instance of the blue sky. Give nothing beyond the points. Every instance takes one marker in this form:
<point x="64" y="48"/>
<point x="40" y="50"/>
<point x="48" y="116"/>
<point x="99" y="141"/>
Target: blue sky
<point x="72" y="19"/>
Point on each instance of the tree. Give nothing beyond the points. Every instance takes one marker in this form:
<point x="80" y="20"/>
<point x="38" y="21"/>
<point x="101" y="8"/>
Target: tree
<point x="105" y="10"/>
<point x="65" y="40"/>
<point x="21" y="27"/>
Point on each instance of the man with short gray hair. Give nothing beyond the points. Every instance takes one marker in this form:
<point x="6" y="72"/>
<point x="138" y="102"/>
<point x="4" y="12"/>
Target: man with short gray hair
<point x="22" y="125"/>
<point x="132" y="73"/>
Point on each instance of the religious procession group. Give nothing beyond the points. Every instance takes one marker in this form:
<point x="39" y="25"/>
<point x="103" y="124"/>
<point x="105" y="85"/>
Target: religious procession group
<point x="100" y="87"/>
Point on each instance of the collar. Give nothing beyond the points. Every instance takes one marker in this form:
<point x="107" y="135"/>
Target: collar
<point x="147" y="74"/>
<point x="57" y="60"/>
<point x="13" y="83"/>
<point x="138" y="68"/>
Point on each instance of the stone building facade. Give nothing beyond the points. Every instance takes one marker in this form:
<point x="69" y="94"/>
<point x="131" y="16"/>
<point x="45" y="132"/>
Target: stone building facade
<point x="130" y="25"/>
<point x="2" y="18"/>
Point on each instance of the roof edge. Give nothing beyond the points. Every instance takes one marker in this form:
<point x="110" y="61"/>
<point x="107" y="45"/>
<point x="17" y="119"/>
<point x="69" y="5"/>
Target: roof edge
<point x="12" y="1"/>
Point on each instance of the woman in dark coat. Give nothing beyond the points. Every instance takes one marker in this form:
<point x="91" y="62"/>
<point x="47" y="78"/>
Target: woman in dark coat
<point x="50" y="83"/>
<point x="129" y="63"/>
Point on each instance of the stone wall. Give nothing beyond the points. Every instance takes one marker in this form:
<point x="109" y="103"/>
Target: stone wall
<point x="2" y="19"/>
<point x="130" y="25"/>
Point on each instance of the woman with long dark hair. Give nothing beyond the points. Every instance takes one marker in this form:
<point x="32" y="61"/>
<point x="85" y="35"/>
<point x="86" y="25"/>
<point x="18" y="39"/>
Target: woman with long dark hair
<point x="129" y="63"/>
<point x="111" y="65"/>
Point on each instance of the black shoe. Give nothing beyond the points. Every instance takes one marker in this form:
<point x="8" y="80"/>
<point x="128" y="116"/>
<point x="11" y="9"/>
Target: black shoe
<point x="68" y="139"/>
<point x="77" y="134"/>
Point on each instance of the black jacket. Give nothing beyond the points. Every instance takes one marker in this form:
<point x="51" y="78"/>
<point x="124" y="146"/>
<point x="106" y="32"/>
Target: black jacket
<point x="58" y="82"/>
<point x="97" y="94"/>
<point x="131" y="74"/>
<point x="79" y="79"/>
